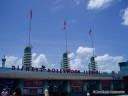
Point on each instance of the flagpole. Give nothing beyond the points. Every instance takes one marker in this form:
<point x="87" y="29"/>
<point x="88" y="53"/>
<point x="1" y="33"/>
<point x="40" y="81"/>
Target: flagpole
<point x="30" y="26"/>
<point x="65" y="34"/>
<point x="92" y="45"/>
<point x="90" y="33"/>
<point x="29" y="31"/>
<point x="66" y="39"/>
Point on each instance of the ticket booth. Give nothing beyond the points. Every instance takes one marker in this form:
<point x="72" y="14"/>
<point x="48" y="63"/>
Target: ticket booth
<point x="105" y="84"/>
<point x="76" y="87"/>
<point x="33" y="87"/>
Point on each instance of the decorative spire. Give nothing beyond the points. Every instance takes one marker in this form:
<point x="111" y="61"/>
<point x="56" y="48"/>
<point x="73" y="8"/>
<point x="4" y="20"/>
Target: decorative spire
<point x="3" y="61"/>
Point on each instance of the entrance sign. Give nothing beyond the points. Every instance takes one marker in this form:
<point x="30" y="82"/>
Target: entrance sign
<point x="53" y="70"/>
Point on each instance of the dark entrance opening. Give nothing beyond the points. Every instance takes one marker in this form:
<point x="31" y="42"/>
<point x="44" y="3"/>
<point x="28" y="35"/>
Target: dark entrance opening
<point x="55" y="87"/>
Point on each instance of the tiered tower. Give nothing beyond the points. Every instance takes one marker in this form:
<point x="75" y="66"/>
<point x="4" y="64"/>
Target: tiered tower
<point x="27" y="58"/>
<point x="65" y="61"/>
<point x="93" y="64"/>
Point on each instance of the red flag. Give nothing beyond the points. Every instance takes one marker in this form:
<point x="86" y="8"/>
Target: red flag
<point x="65" y="25"/>
<point x="90" y="31"/>
<point x="30" y="14"/>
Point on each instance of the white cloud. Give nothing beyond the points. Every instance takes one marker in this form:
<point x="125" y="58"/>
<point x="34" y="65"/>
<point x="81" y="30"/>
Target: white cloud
<point x="109" y="63"/>
<point x="84" y="52"/>
<point x="12" y="60"/>
<point x="105" y="62"/>
<point x="34" y="56"/>
<point x="125" y="17"/>
<point x="71" y="55"/>
<point x="81" y="58"/>
<point x="78" y="60"/>
<point x="37" y="60"/>
<point x="96" y="4"/>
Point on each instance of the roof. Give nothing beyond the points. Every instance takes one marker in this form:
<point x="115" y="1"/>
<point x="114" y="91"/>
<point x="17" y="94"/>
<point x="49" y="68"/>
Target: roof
<point x="18" y="74"/>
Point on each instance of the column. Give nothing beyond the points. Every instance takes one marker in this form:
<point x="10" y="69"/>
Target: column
<point x="122" y="85"/>
<point x="45" y="85"/>
<point x="111" y="85"/>
<point x="21" y="85"/>
<point x="85" y="86"/>
<point x="100" y="85"/>
<point x="68" y="86"/>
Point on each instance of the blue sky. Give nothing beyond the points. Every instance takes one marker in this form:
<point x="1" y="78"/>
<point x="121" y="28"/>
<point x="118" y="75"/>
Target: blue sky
<point x="108" y="20"/>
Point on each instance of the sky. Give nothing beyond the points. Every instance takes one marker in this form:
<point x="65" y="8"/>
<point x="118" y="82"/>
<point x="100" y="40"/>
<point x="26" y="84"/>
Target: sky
<point x="107" y="19"/>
